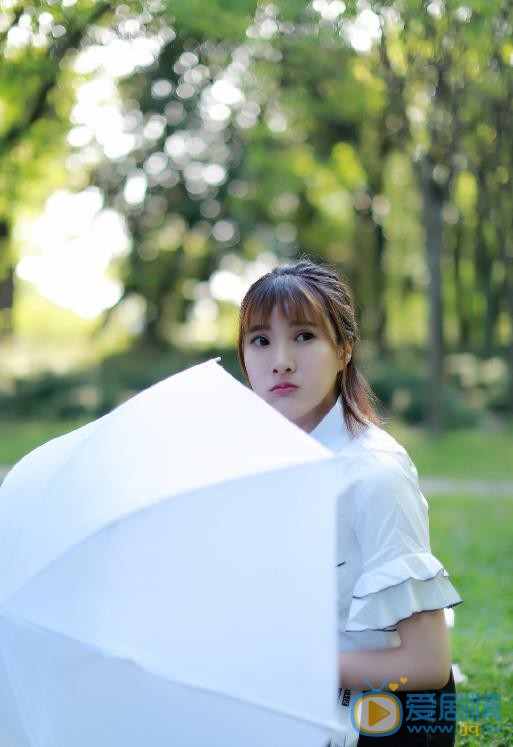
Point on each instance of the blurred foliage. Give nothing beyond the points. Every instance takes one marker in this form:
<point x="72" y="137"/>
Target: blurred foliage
<point x="34" y="42"/>
<point x="476" y="393"/>
<point x="92" y="391"/>
<point x="373" y="135"/>
<point x="218" y="19"/>
<point x="39" y="43"/>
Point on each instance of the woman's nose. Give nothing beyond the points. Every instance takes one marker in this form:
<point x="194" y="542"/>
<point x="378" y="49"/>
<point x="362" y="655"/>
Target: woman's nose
<point x="283" y="360"/>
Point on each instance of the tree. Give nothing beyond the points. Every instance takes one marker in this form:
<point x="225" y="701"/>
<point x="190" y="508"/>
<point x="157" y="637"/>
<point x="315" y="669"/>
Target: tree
<point x="38" y="44"/>
<point x="425" y="55"/>
<point x="282" y="127"/>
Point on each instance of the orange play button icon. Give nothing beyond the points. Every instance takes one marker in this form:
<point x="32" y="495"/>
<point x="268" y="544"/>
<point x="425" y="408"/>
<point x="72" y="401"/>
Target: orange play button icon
<point x="376" y="712"/>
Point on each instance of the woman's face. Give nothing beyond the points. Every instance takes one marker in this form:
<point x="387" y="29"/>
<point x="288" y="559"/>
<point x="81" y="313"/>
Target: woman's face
<point x="300" y="354"/>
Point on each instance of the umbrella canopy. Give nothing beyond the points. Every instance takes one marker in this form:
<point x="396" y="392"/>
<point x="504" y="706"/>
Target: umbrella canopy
<point x="167" y="577"/>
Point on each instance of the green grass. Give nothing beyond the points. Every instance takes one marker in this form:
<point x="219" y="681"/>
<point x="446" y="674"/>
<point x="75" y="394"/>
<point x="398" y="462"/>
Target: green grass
<point x="473" y="537"/>
<point x="473" y="452"/>
<point x="17" y="439"/>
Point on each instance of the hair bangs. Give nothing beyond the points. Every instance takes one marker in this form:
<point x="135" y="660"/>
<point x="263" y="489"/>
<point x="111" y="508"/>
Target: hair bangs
<point x="294" y="298"/>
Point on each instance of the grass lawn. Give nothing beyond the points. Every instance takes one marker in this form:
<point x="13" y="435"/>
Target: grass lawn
<point x="468" y="453"/>
<point x="18" y="438"/>
<point x="473" y="537"/>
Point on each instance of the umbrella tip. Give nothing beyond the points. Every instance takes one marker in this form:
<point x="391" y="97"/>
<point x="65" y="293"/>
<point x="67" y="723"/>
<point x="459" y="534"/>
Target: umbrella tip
<point x="216" y="360"/>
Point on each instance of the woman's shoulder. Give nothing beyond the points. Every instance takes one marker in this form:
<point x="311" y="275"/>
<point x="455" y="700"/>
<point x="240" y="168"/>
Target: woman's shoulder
<point x="380" y="469"/>
<point x="368" y="452"/>
<point x="374" y="438"/>
<point x="381" y="450"/>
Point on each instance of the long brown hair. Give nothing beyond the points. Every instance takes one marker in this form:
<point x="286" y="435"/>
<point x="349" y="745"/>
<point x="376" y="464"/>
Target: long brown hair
<point x="301" y="289"/>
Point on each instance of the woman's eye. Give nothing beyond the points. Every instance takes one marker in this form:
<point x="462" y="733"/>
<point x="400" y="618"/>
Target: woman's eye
<point x="261" y="341"/>
<point x="255" y="339"/>
<point x="310" y="335"/>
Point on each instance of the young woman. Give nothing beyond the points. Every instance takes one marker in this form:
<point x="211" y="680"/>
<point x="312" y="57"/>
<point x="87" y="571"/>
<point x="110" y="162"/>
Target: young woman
<point x="297" y="342"/>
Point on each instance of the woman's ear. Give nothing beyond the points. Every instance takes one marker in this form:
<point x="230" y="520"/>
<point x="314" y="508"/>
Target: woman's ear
<point x="345" y="354"/>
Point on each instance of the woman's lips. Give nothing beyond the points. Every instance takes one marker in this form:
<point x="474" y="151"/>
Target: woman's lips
<point x="284" y="389"/>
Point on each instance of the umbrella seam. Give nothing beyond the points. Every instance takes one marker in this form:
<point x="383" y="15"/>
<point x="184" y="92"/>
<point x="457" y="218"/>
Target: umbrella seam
<point x="162" y="501"/>
<point x="330" y="726"/>
<point x="14" y="696"/>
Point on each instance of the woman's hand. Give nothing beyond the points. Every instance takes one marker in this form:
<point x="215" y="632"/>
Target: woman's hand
<point x="424" y="657"/>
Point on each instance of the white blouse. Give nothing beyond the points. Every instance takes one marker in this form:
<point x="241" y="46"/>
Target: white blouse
<point x="385" y="569"/>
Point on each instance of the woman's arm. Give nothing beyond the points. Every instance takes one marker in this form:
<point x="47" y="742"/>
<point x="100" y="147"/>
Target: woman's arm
<point x="424" y="657"/>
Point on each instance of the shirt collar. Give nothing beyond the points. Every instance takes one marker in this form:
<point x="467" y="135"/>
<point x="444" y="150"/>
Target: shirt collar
<point x="332" y="430"/>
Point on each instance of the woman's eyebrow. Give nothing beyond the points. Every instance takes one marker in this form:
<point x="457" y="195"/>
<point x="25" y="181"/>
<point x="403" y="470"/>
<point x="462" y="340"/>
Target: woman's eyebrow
<point x="296" y="323"/>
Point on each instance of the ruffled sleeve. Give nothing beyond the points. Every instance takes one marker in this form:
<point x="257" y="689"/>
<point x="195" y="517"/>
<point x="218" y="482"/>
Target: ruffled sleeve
<point x="400" y="576"/>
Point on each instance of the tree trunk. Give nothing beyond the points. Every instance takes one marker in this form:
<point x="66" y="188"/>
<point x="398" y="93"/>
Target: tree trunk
<point x="6" y="282"/>
<point x="483" y="264"/>
<point x="506" y="255"/>
<point x="491" y="314"/>
<point x="461" y="297"/>
<point x="380" y="289"/>
<point x="432" y="201"/>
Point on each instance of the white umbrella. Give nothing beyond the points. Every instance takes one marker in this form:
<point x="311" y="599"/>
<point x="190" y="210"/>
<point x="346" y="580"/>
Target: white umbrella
<point x="167" y="577"/>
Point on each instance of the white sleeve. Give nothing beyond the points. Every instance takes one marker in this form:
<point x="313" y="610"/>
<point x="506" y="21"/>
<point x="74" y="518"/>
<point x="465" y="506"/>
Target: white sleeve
<point x="400" y="576"/>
